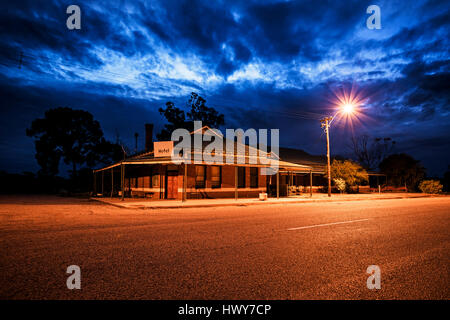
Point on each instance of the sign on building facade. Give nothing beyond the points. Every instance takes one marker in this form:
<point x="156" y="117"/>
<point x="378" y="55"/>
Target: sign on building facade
<point x="163" y="148"/>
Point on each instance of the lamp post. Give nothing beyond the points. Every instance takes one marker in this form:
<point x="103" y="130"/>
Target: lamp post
<point x="325" y="124"/>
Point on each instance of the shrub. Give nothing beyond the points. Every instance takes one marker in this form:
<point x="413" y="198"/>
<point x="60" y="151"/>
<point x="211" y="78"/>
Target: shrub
<point x="349" y="171"/>
<point x="340" y="184"/>
<point x="430" y="186"/>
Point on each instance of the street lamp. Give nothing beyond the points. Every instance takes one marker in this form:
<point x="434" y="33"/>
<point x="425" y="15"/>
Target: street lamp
<point x="346" y="108"/>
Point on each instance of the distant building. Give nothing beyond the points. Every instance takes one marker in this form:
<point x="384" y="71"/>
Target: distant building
<point x="299" y="182"/>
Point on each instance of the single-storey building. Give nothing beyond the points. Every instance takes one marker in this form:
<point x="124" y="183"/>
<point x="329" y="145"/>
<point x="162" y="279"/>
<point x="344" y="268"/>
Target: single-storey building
<point x="300" y="182"/>
<point x="155" y="174"/>
<point x="318" y="163"/>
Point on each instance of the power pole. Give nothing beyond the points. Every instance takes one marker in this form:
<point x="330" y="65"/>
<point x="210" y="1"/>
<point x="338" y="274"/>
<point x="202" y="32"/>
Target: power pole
<point x="325" y="123"/>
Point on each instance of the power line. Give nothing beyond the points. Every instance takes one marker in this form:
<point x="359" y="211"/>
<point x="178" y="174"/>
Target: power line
<point x="305" y="115"/>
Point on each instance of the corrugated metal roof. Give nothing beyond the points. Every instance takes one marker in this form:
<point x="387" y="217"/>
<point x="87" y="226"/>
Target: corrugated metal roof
<point x="298" y="156"/>
<point x="290" y="161"/>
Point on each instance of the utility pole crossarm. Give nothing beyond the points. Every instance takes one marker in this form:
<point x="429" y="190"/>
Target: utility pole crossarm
<point x="326" y="122"/>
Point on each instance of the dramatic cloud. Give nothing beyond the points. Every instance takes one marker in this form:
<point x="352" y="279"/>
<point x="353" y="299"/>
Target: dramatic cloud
<point x="264" y="64"/>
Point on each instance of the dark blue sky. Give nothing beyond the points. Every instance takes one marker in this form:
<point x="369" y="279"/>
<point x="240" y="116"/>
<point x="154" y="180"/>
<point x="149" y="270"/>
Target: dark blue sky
<point x="264" y="64"/>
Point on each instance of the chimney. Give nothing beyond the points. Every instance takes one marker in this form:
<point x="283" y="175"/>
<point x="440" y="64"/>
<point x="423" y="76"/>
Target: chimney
<point x="148" y="137"/>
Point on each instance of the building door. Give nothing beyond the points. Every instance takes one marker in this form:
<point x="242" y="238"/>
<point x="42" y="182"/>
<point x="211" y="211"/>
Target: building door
<point x="172" y="185"/>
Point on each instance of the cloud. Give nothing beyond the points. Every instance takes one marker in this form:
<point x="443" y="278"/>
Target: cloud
<point x="270" y="64"/>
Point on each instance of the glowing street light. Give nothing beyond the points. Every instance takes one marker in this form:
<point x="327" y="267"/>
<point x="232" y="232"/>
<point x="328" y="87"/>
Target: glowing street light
<point x="348" y="108"/>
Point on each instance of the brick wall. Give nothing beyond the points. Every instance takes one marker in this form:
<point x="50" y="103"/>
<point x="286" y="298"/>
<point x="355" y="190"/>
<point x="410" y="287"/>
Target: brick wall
<point x="139" y="183"/>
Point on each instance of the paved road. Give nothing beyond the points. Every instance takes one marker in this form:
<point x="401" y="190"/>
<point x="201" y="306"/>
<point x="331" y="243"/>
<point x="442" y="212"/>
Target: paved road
<point x="294" y="251"/>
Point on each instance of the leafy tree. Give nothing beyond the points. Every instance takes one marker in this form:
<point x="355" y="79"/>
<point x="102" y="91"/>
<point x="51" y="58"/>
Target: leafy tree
<point x="403" y="170"/>
<point x="177" y="118"/>
<point x="370" y="152"/>
<point x="71" y="135"/>
<point x="106" y="152"/>
<point x="200" y="112"/>
<point x="47" y="155"/>
<point x="430" y="186"/>
<point x="350" y="172"/>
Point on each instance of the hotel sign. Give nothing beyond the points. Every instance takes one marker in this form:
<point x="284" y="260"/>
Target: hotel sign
<point x="163" y="148"/>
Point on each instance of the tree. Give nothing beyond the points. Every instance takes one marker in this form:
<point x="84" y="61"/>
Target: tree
<point x="177" y="118"/>
<point x="72" y="135"/>
<point x="106" y="152"/>
<point x="200" y="112"/>
<point x="430" y="186"/>
<point x="349" y="171"/>
<point x="370" y="152"/>
<point x="403" y="170"/>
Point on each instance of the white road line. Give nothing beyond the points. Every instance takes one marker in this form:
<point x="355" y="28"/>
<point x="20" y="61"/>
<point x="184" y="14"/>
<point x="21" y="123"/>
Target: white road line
<point x="326" y="224"/>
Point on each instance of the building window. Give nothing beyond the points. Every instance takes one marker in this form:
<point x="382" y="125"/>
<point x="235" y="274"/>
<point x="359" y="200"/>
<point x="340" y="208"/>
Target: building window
<point x="154" y="177"/>
<point x="155" y="180"/>
<point x="216" y="177"/>
<point x="253" y="177"/>
<point x="241" y="177"/>
<point x="200" y="176"/>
